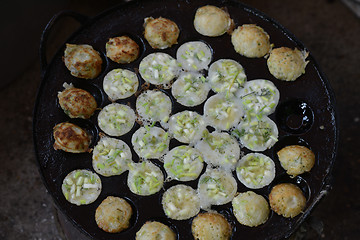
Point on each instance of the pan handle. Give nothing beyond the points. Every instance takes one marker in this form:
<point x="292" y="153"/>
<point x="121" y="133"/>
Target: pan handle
<point x="45" y="34"/>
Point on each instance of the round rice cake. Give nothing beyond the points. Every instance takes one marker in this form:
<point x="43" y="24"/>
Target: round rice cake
<point x="122" y="49"/>
<point x="194" y="56"/>
<point x="250" y="209"/>
<point x="212" y="21"/>
<point x="160" y="32"/>
<point x="76" y="102"/>
<point x="145" y="178"/>
<point x="251" y="41"/>
<point x="296" y="159"/>
<point x="111" y="157"/>
<point x="120" y="83"/>
<point x="116" y="119"/>
<point x="211" y="226"/>
<point x="257" y="134"/>
<point x="183" y="163"/>
<point x="255" y="170"/>
<point x="287" y="64"/>
<point x="180" y="202"/>
<point x="82" y="61"/>
<point x="259" y="97"/>
<point x="216" y="187"/>
<point x="159" y="69"/>
<point x="150" y="142"/>
<point x="113" y="214"/>
<point x="219" y="149"/>
<point x="153" y="230"/>
<point x="222" y="113"/>
<point x="190" y="89"/>
<point x="287" y="199"/>
<point x="71" y="138"/>
<point x="153" y="105"/>
<point x="81" y="187"/>
<point x="187" y="126"/>
<point x="226" y="76"/>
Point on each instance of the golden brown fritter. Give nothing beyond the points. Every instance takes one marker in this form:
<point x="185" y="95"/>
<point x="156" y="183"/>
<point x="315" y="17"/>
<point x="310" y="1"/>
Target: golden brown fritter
<point x="296" y="159"/>
<point x="113" y="214"/>
<point x="71" y="138"/>
<point x="211" y="226"/>
<point x="212" y="21"/>
<point x="287" y="199"/>
<point x="251" y="41"/>
<point x="155" y="231"/>
<point x="122" y="49"/>
<point x="82" y="61"/>
<point x="161" y="32"/>
<point x="287" y="64"/>
<point x="77" y="103"/>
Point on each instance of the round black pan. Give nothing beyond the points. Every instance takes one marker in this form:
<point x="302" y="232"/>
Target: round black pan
<point x="305" y="115"/>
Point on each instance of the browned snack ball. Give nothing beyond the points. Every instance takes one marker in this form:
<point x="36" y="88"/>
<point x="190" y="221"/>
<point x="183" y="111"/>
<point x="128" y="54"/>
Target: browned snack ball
<point x="161" y="32"/>
<point x="155" y="231"/>
<point x="122" y="49"/>
<point x="82" y="61"/>
<point x="287" y="199"/>
<point x="113" y="214"/>
<point x="71" y="138"/>
<point x="296" y="159"/>
<point x="211" y="226"/>
<point x="77" y="103"/>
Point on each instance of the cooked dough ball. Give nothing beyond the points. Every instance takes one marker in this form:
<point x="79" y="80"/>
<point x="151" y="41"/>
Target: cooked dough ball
<point x="76" y="102"/>
<point x="180" y="202"/>
<point x="82" y="61"/>
<point x="251" y="41"/>
<point x="153" y="230"/>
<point x="287" y="64"/>
<point x="81" y="187"/>
<point x="212" y="21"/>
<point x="122" y="49"/>
<point x="287" y="199"/>
<point x="161" y="32"/>
<point x="250" y="209"/>
<point x="211" y="226"/>
<point x="71" y="138"/>
<point x="296" y="159"/>
<point x="113" y="214"/>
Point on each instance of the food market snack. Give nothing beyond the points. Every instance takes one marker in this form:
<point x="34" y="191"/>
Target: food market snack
<point x="120" y="83"/>
<point x="250" y="209"/>
<point x="153" y="230"/>
<point x="212" y="21"/>
<point x="211" y="226"/>
<point x="71" y="138"/>
<point x="76" y="102"/>
<point x="113" y="214"/>
<point x="82" y="61"/>
<point x="122" y="49"/>
<point x="161" y="32"/>
<point x="251" y="41"/>
<point x="287" y="199"/>
<point x="81" y="187"/>
<point x="287" y="64"/>
<point x="296" y="159"/>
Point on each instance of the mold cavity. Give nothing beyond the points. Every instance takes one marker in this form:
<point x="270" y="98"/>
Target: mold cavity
<point x="295" y="116"/>
<point x="89" y="127"/>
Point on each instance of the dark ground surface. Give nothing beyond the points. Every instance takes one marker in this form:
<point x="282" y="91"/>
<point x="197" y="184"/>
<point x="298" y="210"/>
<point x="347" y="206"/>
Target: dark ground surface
<point x="327" y="28"/>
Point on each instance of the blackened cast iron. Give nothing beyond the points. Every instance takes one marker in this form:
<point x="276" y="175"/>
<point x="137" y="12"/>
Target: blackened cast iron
<point x="306" y="116"/>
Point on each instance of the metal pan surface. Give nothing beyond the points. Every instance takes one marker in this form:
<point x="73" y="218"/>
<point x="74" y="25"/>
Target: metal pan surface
<point x="309" y="100"/>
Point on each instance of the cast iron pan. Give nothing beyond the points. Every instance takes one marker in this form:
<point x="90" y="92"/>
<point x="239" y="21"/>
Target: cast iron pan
<point x="305" y="115"/>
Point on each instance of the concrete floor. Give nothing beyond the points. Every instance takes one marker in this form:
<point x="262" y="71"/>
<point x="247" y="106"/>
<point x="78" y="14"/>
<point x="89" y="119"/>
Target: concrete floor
<point x="328" y="29"/>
